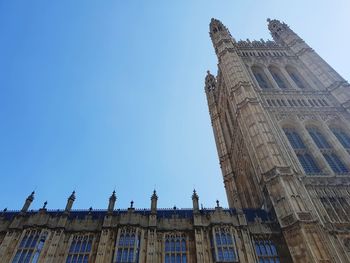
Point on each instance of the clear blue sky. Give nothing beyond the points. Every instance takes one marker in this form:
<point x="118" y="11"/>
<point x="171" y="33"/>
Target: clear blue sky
<point x="97" y="95"/>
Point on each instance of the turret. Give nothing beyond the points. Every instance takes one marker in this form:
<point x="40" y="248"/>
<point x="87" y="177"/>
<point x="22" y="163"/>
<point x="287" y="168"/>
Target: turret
<point x="154" y="199"/>
<point x="70" y="202"/>
<point x="195" y="202"/>
<point x="220" y="36"/>
<point x="27" y="203"/>
<point x="111" y="203"/>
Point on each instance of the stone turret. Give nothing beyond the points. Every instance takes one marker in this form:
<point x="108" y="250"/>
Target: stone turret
<point x="195" y="202"/>
<point x="154" y="199"/>
<point x="27" y="203"/>
<point x="220" y="36"/>
<point x="70" y="202"/>
<point x="111" y="203"/>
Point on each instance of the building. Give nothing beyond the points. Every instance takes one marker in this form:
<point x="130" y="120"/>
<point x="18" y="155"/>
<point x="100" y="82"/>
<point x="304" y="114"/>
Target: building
<point x="280" y="116"/>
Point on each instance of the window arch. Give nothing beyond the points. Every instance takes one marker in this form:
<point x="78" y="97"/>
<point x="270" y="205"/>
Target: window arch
<point x="266" y="251"/>
<point x="128" y="246"/>
<point x="342" y="137"/>
<point x="296" y="77"/>
<point x="327" y="151"/>
<point x="261" y="77"/>
<point x="175" y="248"/>
<point x="305" y="158"/>
<point x="278" y="77"/>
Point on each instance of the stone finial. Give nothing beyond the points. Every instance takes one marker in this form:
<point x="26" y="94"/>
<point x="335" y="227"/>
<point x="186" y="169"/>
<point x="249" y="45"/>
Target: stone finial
<point x="217" y="203"/>
<point x="70" y="202"/>
<point x="132" y="204"/>
<point x="195" y="202"/>
<point x="27" y="203"/>
<point x="112" y="200"/>
<point x="154" y="199"/>
<point x="45" y="204"/>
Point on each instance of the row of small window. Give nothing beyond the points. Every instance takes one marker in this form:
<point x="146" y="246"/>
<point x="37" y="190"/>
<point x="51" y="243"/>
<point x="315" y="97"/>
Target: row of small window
<point x="297" y="103"/>
<point x="278" y="77"/>
<point x="305" y="158"/>
<point x="223" y="246"/>
<point x="263" y="53"/>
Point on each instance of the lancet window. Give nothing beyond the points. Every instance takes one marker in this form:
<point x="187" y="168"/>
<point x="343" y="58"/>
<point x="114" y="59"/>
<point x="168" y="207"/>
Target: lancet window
<point x="175" y="248"/>
<point x="327" y="151"/>
<point x="127" y="246"/>
<point x="278" y="77"/>
<point x="30" y="246"/>
<point x="224" y="245"/>
<point x="305" y="158"/>
<point x="342" y="137"/>
<point x="80" y="249"/>
<point x="261" y="78"/>
<point x="295" y="76"/>
<point x="266" y="251"/>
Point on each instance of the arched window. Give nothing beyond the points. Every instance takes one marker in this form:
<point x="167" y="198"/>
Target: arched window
<point x="175" y="249"/>
<point x="261" y="78"/>
<point x="327" y="151"/>
<point x="305" y="159"/>
<point x="80" y="248"/>
<point x="342" y="137"/>
<point x="266" y="251"/>
<point x="295" y="76"/>
<point x="30" y="247"/>
<point x="278" y="77"/>
<point x="127" y="249"/>
<point x="224" y="245"/>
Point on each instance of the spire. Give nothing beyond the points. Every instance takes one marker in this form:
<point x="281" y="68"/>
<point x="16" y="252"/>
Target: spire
<point x="27" y="203"/>
<point x="154" y="199"/>
<point x="111" y="203"/>
<point x="195" y="202"/>
<point x="70" y="202"/>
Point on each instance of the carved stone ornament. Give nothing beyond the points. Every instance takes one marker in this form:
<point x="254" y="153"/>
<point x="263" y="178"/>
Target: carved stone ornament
<point x="304" y="117"/>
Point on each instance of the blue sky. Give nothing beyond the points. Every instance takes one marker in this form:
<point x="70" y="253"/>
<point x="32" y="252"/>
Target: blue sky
<point x="103" y="95"/>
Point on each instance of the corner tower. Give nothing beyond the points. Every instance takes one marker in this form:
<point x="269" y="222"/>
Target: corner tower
<point x="281" y="125"/>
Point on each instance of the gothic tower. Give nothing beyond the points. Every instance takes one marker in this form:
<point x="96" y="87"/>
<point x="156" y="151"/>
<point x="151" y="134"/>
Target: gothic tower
<point x="281" y="120"/>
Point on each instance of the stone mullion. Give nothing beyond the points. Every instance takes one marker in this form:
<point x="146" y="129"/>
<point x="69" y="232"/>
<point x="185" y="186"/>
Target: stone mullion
<point x="9" y="245"/>
<point x="102" y="246"/>
<point x="314" y="150"/>
<point x="271" y="79"/>
<point x="326" y="196"/>
<point x="52" y="250"/>
<point x="288" y="78"/>
<point x="320" y="209"/>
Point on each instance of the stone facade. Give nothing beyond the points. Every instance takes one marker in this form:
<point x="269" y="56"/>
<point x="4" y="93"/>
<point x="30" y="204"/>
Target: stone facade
<point x="280" y="116"/>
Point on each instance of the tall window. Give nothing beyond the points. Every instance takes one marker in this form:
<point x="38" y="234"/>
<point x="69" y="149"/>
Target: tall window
<point x="261" y="78"/>
<point x="295" y="76"/>
<point x="306" y="160"/>
<point x="266" y="251"/>
<point x="342" y="137"/>
<point x="327" y="151"/>
<point x="30" y="247"/>
<point x="277" y="76"/>
<point x="175" y="248"/>
<point x="80" y="249"/>
<point x="128" y="246"/>
<point x="224" y="245"/>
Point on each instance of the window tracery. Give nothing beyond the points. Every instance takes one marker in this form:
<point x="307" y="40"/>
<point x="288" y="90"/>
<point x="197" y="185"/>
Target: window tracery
<point x="80" y="248"/>
<point x="342" y="137"/>
<point x="224" y="245"/>
<point x="127" y="246"/>
<point x="327" y="151"/>
<point x="266" y="251"/>
<point x="278" y="77"/>
<point x="305" y="159"/>
<point x="295" y="76"/>
<point x="261" y="77"/>
<point x="175" y="248"/>
<point x="30" y="246"/>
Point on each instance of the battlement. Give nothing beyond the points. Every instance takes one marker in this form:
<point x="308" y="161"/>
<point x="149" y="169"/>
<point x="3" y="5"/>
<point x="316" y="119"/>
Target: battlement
<point x="256" y="44"/>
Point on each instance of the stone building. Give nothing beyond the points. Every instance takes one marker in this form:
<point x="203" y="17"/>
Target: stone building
<point x="280" y="116"/>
